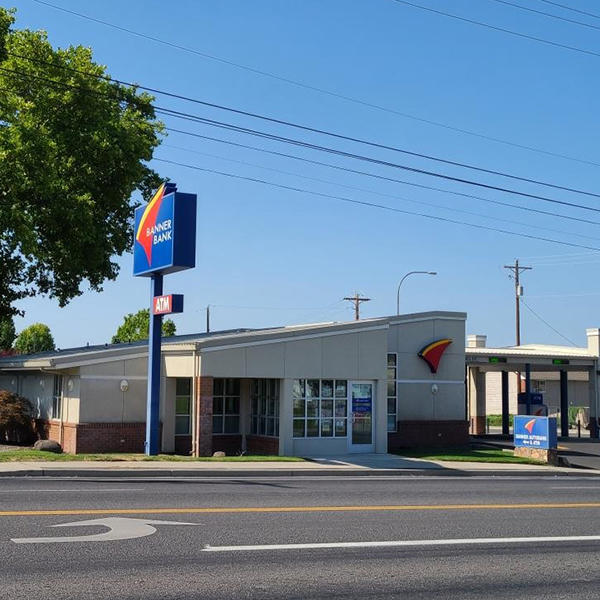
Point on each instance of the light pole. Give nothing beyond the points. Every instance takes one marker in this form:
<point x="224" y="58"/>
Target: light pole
<point x="401" y="281"/>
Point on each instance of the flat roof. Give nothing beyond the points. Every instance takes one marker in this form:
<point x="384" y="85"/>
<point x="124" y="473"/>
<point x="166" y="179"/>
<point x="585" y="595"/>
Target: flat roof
<point x="72" y="356"/>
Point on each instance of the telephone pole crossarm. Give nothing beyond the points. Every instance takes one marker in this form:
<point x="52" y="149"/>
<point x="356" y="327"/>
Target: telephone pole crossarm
<point x="356" y="300"/>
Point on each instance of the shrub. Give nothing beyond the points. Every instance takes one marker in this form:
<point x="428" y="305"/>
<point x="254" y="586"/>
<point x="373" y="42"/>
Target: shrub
<point x="15" y="418"/>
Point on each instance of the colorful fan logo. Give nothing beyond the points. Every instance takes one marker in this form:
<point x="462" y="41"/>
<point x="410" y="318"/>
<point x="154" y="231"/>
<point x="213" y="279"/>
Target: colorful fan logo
<point x="530" y="425"/>
<point x="144" y="233"/>
<point x="432" y="353"/>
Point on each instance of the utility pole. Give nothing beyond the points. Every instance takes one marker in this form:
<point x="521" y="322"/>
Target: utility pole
<point x="208" y="318"/>
<point x="356" y="300"/>
<point x="516" y="270"/>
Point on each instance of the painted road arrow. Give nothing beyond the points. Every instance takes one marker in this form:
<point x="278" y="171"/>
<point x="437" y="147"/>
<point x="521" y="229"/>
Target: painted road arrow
<point x="119" y="528"/>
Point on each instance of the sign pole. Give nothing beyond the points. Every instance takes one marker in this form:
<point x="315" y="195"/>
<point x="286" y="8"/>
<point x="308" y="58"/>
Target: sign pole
<point x="153" y="402"/>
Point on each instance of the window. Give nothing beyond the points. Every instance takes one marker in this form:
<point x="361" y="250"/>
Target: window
<point x="265" y="407"/>
<point x="57" y="397"/>
<point x="226" y="406"/>
<point x="392" y="390"/>
<point x="320" y="408"/>
<point x="538" y="386"/>
<point x="183" y="405"/>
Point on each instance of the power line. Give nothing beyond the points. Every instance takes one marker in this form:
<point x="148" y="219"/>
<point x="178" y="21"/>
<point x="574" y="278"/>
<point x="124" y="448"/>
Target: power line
<point x="383" y="177"/>
<point x="319" y="89"/>
<point x="376" y="205"/>
<point x="496" y="28"/>
<point x="360" y="189"/>
<point x="546" y="14"/>
<point x="333" y="134"/>
<point x="581" y="12"/>
<point x="303" y="144"/>
<point x="564" y="337"/>
<point x="265" y="135"/>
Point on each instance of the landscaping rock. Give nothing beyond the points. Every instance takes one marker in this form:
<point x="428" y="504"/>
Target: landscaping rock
<point x="48" y="446"/>
<point x="219" y="454"/>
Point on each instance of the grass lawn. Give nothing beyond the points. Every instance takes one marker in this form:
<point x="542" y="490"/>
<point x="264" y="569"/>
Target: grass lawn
<point x="28" y="455"/>
<point x="488" y="456"/>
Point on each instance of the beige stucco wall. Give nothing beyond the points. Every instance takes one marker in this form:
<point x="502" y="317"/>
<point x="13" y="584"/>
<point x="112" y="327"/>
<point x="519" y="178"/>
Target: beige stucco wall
<point x="103" y="400"/>
<point x="415" y="398"/>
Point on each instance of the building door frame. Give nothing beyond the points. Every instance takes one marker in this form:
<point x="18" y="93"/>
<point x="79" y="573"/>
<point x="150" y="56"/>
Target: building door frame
<point x="361" y="416"/>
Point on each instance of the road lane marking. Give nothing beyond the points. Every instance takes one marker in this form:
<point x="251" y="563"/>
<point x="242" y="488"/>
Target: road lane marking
<point x="119" y="528"/>
<point x="73" y="491"/>
<point x="405" y="543"/>
<point x="293" y="509"/>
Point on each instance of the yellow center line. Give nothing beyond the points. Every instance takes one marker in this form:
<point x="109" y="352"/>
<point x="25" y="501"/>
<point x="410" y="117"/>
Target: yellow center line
<point x="293" y="509"/>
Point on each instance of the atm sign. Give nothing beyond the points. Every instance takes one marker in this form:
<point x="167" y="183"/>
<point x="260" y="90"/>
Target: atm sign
<point x="165" y="305"/>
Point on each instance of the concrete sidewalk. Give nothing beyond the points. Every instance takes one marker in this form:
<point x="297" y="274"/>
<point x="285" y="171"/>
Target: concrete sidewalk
<point x="360" y="465"/>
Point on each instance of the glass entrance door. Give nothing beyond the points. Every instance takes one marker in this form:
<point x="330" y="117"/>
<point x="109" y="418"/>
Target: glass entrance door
<point x="360" y="401"/>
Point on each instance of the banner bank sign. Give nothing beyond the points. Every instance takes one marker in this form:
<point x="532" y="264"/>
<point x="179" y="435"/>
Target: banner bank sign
<point x="165" y="233"/>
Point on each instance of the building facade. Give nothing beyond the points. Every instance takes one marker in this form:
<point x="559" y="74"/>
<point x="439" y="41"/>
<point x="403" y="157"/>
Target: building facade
<point x="309" y="390"/>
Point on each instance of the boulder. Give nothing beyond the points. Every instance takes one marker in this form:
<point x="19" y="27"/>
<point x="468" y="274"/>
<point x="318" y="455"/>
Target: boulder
<point x="219" y="454"/>
<point x="48" y="446"/>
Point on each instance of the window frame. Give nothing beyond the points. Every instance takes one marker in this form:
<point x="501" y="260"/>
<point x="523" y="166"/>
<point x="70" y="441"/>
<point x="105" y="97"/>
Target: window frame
<point x="57" y="398"/>
<point x="394" y="397"/>
<point x="189" y="412"/>
<point x="225" y="382"/>
<point x="304" y="396"/>
<point x="264" y="395"/>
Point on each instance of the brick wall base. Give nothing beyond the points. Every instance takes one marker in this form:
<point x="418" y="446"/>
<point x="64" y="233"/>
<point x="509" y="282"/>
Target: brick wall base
<point x="230" y="444"/>
<point x="546" y="456"/>
<point x="478" y="425"/>
<point x="259" y="444"/>
<point x="84" y="438"/>
<point x="183" y="445"/>
<point x="429" y="434"/>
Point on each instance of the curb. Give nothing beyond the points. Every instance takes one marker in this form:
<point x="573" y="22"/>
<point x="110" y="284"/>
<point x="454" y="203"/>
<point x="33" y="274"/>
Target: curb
<point x="257" y="473"/>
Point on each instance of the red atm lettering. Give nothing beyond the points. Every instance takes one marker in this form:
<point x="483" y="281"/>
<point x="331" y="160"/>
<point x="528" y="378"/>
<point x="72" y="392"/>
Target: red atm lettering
<point x="162" y="305"/>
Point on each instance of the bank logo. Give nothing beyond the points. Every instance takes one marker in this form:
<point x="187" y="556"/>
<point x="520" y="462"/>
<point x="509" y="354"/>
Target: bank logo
<point x="529" y="426"/>
<point x="150" y="233"/>
<point x="432" y="353"/>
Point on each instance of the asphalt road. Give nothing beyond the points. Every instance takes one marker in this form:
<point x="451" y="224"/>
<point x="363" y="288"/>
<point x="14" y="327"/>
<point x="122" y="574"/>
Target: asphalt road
<point x="209" y="557"/>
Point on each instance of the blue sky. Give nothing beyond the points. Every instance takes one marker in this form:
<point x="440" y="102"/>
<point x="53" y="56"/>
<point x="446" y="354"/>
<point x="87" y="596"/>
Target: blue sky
<point x="268" y="256"/>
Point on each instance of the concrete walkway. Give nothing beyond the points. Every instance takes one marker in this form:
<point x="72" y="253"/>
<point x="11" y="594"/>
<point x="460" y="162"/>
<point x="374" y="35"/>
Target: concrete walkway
<point x="359" y="465"/>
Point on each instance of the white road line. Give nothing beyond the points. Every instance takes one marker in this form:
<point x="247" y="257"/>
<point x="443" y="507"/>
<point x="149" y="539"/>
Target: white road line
<point x="73" y="491"/>
<point x="576" y="487"/>
<point x="406" y="543"/>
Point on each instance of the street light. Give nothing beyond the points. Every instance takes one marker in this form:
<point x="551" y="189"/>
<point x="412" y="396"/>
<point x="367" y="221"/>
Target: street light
<point x="410" y="273"/>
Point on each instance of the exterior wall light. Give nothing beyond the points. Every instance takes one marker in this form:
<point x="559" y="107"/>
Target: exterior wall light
<point x="434" y="389"/>
<point x="124" y="385"/>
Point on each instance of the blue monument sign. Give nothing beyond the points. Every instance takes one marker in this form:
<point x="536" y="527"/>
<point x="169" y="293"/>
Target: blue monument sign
<point x="165" y="242"/>
<point x="534" y="432"/>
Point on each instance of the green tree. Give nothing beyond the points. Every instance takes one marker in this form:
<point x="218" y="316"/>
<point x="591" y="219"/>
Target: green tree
<point x="7" y="333"/>
<point x="136" y="327"/>
<point x="73" y="150"/>
<point x="15" y="418"/>
<point x="35" y="338"/>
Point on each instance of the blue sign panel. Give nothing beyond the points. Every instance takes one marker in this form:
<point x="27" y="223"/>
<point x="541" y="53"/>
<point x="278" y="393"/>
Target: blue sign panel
<point x="165" y="233"/>
<point x="361" y="405"/>
<point x="534" y="432"/>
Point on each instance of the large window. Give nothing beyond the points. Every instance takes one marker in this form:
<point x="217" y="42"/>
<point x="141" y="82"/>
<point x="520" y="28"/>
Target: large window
<point x="265" y="407"/>
<point x="392" y="390"/>
<point x="57" y="397"/>
<point x="320" y="408"/>
<point x="183" y="405"/>
<point x="226" y="406"/>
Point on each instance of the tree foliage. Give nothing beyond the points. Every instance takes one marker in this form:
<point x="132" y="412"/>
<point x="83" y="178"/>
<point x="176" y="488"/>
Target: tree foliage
<point x="73" y="147"/>
<point x="15" y="417"/>
<point x="7" y="334"/>
<point x="136" y="327"/>
<point x="35" y="338"/>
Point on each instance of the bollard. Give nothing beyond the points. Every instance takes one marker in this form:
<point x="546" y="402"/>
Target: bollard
<point x="578" y="428"/>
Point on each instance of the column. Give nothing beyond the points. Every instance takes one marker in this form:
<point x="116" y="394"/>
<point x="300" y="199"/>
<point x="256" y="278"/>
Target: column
<point x="477" y="399"/>
<point x="593" y="396"/>
<point x="204" y="405"/>
<point x="505" y="406"/>
<point x="564" y="403"/>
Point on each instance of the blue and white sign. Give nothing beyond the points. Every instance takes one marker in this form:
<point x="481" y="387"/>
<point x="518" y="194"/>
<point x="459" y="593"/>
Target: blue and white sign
<point x="165" y="233"/>
<point x="534" y="432"/>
